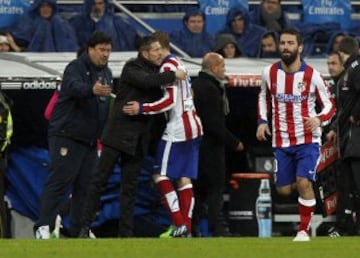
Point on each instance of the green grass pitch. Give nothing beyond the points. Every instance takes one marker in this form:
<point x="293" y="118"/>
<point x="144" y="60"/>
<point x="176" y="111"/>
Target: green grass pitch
<point x="275" y="247"/>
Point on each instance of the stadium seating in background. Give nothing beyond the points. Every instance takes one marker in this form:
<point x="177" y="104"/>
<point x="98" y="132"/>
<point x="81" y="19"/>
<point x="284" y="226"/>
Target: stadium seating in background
<point x="167" y="16"/>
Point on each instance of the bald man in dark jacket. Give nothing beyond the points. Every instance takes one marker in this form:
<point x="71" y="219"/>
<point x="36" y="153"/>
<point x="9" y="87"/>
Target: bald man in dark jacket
<point x="211" y="105"/>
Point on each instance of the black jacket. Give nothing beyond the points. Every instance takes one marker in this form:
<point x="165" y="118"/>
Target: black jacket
<point x="209" y="103"/>
<point x="348" y="104"/>
<point x="139" y="81"/>
<point x="208" y="99"/>
<point x="78" y="113"/>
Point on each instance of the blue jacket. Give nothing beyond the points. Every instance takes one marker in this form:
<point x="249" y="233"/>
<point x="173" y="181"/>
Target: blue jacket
<point x="124" y="35"/>
<point x="42" y="35"/>
<point x="310" y="32"/>
<point x="196" y="45"/>
<point x="250" y="40"/>
<point x="79" y="114"/>
<point x="255" y="17"/>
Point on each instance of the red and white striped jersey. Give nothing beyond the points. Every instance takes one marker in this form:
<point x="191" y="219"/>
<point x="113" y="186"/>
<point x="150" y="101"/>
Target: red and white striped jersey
<point x="293" y="97"/>
<point x="183" y="122"/>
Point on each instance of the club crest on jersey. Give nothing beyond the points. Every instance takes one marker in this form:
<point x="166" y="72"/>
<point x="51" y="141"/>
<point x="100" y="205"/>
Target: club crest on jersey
<point x="301" y="86"/>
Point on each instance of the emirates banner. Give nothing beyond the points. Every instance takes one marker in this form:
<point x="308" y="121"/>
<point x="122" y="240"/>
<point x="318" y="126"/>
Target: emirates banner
<point x="323" y="11"/>
<point x="11" y="10"/>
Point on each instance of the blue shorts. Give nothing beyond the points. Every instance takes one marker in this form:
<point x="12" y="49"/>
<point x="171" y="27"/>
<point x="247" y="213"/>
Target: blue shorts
<point x="177" y="159"/>
<point x="296" y="161"/>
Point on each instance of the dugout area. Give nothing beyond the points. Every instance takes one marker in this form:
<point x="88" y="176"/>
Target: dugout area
<point x="30" y="80"/>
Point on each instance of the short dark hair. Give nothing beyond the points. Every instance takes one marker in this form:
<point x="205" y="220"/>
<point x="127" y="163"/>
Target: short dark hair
<point x="163" y="38"/>
<point x="293" y="31"/>
<point x="349" y="45"/>
<point x="99" y="37"/>
<point x="272" y="34"/>
<point x="146" y="41"/>
<point x="333" y="53"/>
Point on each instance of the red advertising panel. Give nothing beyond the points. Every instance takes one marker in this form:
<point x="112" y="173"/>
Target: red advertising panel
<point x="244" y="80"/>
<point x="329" y="153"/>
<point x="326" y="182"/>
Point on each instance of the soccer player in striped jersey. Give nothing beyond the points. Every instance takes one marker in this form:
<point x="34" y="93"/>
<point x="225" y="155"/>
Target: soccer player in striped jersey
<point x="292" y="88"/>
<point x="177" y="153"/>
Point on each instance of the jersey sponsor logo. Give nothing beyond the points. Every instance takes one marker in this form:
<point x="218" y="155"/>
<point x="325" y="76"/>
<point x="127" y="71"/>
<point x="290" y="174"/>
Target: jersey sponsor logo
<point x="42" y="85"/>
<point x="282" y="97"/>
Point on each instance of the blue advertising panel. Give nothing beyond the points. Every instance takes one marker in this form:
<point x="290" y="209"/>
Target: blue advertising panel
<point x="323" y="11"/>
<point x="11" y="10"/>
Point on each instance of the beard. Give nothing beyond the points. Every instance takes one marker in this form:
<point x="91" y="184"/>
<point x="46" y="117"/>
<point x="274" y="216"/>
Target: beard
<point x="289" y="59"/>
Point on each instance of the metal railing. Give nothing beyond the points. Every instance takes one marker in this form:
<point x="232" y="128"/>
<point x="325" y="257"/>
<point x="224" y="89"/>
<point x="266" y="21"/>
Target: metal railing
<point x="187" y="2"/>
<point x="146" y="26"/>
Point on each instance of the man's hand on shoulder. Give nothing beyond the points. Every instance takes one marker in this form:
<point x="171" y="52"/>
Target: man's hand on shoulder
<point x="180" y="74"/>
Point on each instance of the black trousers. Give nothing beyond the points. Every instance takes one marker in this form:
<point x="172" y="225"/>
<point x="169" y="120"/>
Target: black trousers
<point x="209" y="187"/>
<point x="72" y="164"/>
<point x="349" y="193"/>
<point x="130" y="169"/>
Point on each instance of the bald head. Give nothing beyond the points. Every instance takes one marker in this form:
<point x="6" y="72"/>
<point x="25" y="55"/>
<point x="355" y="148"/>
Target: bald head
<point x="211" y="59"/>
<point x="213" y="63"/>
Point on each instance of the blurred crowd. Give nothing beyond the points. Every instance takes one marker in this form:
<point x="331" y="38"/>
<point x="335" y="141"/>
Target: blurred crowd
<point x="247" y="32"/>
